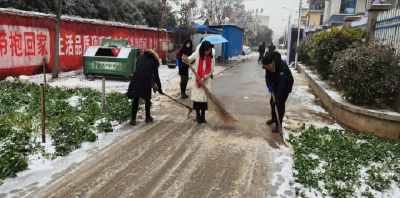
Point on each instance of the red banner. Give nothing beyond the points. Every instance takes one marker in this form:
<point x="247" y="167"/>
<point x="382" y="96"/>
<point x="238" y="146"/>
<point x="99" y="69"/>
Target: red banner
<point x="26" y="40"/>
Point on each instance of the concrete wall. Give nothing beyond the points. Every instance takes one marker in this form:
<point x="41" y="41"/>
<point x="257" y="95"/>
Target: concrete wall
<point x="357" y="118"/>
<point x="396" y="101"/>
<point x="327" y="10"/>
<point x="36" y="31"/>
<point x="360" y="7"/>
<point x="335" y="7"/>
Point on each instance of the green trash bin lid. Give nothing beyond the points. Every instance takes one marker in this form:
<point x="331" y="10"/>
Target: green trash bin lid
<point x="117" y="43"/>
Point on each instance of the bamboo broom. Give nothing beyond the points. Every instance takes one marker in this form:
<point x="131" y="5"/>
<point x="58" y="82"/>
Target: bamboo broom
<point x="222" y="114"/>
<point x="175" y="100"/>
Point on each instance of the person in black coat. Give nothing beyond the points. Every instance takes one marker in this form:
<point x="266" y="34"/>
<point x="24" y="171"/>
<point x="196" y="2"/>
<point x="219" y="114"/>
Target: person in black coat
<point x="145" y="75"/>
<point x="279" y="80"/>
<point x="187" y="49"/>
<point x="271" y="48"/>
<point x="261" y="50"/>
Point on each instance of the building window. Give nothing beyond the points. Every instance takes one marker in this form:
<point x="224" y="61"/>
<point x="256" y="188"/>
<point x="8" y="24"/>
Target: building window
<point x="321" y="20"/>
<point x="348" y="6"/>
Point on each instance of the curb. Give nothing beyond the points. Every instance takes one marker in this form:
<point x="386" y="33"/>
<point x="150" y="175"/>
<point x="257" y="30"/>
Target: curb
<point x="360" y="119"/>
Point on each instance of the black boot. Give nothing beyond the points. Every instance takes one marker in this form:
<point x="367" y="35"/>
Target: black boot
<point x="270" y="121"/>
<point x="135" y="106"/>
<point x="147" y="108"/>
<point x="203" y="116"/>
<point x="149" y="119"/>
<point x="133" y="121"/>
<point x="184" y="89"/>
<point x="276" y="130"/>
<point x="198" y="117"/>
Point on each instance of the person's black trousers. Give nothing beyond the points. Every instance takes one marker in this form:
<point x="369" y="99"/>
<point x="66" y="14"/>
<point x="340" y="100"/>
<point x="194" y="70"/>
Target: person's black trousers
<point x="200" y="108"/>
<point x="260" y="57"/>
<point x="281" y="108"/>
<point x="135" y="106"/>
<point x="184" y="82"/>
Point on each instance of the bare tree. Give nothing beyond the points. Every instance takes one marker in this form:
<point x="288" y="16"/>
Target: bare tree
<point x="165" y="11"/>
<point x="188" y="11"/>
<point x="217" y="11"/>
<point x="57" y="40"/>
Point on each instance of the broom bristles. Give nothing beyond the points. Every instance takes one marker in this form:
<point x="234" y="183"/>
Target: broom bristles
<point x="220" y="110"/>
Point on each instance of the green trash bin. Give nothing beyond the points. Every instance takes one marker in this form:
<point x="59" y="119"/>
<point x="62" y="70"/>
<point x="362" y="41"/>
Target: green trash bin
<point x="102" y="60"/>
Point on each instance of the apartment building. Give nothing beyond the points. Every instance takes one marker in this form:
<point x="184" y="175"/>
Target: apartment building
<point x="336" y="10"/>
<point x="315" y="12"/>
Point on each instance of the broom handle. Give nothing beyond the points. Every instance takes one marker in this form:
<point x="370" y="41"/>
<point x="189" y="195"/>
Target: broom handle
<point x="276" y="110"/>
<point x="178" y="102"/>
<point x="197" y="77"/>
<point x="279" y="122"/>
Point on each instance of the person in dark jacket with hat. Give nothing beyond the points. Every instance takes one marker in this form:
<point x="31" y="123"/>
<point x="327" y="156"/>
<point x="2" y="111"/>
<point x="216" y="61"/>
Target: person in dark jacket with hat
<point x="145" y="75"/>
<point x="279" y="80"/>
<point x="261" y="50"/>
<point x="187" y="49"/>
<point x="271" y="48"/>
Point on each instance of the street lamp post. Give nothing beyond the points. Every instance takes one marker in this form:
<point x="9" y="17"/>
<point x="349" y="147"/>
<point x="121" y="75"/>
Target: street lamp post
<point x="298" y="33"/>
<point x="290" y="18"/>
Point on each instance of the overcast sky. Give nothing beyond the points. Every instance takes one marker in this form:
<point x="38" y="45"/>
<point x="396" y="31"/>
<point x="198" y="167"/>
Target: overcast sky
<point x="273" y="9"/>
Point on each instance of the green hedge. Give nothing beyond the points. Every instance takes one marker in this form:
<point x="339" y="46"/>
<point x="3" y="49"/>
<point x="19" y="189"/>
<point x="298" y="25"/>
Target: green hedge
<point x="328" y="43"/>
<point x="367" y="74"/>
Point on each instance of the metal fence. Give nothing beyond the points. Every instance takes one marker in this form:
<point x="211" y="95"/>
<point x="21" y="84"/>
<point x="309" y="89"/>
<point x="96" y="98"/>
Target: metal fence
<point x="388" y="28"/>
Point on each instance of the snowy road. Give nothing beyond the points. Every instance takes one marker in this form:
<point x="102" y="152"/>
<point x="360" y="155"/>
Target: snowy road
<point x="175" y="157"/>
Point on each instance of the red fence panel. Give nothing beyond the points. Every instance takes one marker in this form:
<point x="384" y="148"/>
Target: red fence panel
<point x="26" y="38"/>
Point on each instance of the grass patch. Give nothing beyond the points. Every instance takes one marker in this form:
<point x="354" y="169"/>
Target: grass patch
<point x="336" y="163"/>
<point x="68" y="125"/>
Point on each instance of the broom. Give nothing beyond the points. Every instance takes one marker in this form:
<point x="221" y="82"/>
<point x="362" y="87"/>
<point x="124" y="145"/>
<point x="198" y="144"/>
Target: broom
<point x="175" y="100"/>
<point x="222" y="114"/>
<point x="279" y="122"/>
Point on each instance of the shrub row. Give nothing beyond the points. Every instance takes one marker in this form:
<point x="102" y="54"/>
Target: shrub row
<point x="364" y="73"/>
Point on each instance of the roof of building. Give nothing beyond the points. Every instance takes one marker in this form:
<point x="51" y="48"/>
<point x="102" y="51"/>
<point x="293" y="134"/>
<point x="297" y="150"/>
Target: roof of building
<point x="221" y="26"/>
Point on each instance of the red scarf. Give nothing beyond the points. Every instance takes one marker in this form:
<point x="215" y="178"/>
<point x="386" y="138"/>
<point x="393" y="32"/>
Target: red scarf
<point x="200" y="69"/>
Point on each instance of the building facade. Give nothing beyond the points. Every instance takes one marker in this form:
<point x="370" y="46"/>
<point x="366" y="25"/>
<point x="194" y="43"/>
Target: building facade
<point x="304" y="16"/>
<point x="336" y="10"/>
<point x="315" y="13"/>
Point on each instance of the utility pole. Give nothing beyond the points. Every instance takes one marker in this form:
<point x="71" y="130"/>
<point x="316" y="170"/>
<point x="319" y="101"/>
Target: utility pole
<point x="298" y="33"/>
<point x="57" y="42"/>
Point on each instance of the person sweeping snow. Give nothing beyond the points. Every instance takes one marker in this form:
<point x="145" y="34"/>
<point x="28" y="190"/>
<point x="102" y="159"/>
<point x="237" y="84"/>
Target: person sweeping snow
<point x="279" y="80"/>
<point x="146" y="74"/>
<point x="205" y="63"/>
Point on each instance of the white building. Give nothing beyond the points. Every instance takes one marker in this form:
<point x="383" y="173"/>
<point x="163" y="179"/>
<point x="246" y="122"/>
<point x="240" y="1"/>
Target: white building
<point x="264" y="20"/>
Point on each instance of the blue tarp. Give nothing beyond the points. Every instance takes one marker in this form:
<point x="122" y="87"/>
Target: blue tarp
<point x="200" y="28"/>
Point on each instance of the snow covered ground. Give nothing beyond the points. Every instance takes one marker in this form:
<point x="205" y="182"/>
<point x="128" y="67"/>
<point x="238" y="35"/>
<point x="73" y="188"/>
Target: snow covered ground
<point x="242" y="58"/>
<point x="41" y="169"/>
<point x="306" y="102"/>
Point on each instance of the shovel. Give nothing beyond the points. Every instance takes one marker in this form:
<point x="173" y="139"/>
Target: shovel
<point x="175" y="100"/>
<point x="279" y="122"/>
